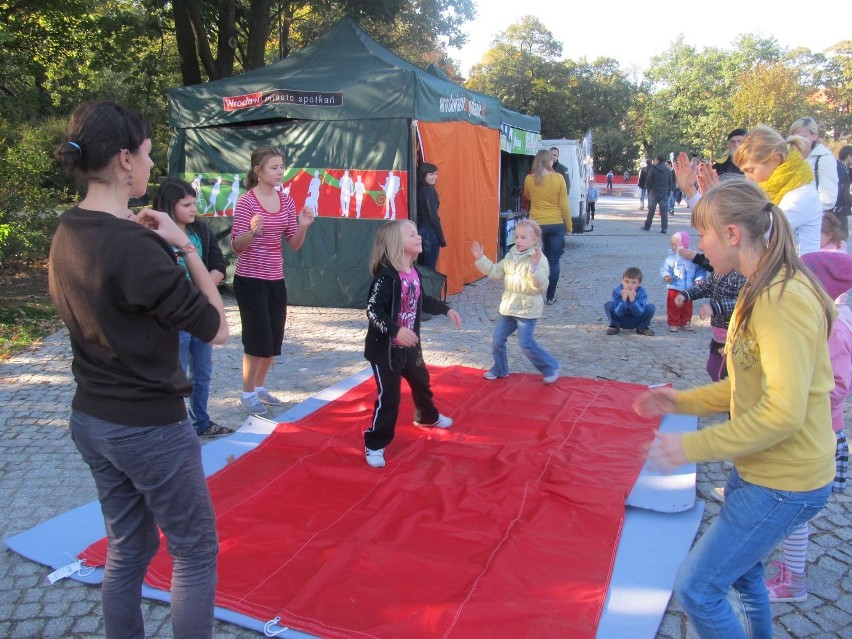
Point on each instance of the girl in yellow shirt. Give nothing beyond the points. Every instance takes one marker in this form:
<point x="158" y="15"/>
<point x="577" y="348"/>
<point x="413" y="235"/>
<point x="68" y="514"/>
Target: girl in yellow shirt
<point x="548" y="196"/>
<point x="779" y="434"/>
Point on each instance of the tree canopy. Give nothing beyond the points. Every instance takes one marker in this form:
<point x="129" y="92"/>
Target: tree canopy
<point x="59" y="53"/>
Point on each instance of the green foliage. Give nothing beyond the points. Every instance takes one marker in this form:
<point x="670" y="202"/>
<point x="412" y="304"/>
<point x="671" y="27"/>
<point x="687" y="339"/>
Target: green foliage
<point x="523" y="70"/>
<point x="837" y="114"/>
<point x="769" y="94"/>
<point x="691" y="98"/>
<point x="614" y="149"/>
<point x="60" y="54"/>
<point x="30" y="184"/>
<point x="218" y="39"/>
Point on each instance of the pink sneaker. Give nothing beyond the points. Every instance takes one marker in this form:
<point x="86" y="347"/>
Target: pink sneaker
<point x="787" y="586"/>
<point x="781" y="577"/>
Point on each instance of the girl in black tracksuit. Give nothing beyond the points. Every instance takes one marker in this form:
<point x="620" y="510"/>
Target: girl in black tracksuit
<point x="392" y="345"/>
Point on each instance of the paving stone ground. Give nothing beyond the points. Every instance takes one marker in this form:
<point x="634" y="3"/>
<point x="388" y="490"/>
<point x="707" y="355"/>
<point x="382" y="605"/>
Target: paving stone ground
<point x="41" y="474"/>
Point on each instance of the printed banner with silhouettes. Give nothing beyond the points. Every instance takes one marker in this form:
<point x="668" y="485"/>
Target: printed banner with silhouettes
<point x="350" y="193"/>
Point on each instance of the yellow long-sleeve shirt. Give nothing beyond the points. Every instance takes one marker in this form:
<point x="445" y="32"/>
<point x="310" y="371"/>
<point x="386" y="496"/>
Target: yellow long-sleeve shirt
<point x="548" y="200"/>
<point x="779" y="434"/>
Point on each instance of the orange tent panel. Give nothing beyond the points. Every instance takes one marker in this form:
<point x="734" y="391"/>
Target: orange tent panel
<point x="468" y="161"/>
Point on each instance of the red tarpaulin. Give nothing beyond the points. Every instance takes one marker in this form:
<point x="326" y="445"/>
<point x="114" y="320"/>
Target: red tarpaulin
<point x="505" y="525"/>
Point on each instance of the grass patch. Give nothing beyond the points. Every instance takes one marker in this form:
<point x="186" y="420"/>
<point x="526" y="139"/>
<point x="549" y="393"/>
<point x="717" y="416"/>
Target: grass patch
<point x="26" y="313"/>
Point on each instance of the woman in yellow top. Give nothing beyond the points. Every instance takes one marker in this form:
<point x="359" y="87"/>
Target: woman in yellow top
<point x="779" y="434"/>
<point x="548" y="196"/>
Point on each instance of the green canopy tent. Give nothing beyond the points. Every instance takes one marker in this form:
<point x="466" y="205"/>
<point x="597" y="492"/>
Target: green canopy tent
<point x="344" y="108"/>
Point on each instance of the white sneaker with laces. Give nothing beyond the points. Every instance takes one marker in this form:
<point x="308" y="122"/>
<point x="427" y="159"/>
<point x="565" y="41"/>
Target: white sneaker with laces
<point x="375" y="458"/>
<point x="264" y="396"/>
<point x="253" y="405"/>
<point x="443" y="422"/>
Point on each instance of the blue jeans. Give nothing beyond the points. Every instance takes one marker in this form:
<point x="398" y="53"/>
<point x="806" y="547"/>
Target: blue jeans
<point x="431" y="247"/>
<point x="654" y="198"/>
<point x="149" y="476"/>
<point x="196" y="359"/>
<point x="540" y="358"/>
<point x="627" y="320"/>
<point x="552" y="243"/>
<point x="752" y="522"/>
<point x="642" y="192"/>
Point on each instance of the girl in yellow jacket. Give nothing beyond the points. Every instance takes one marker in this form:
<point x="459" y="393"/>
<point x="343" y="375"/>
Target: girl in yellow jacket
<point x="779" y="433"/>
<point x="525" y="277"/>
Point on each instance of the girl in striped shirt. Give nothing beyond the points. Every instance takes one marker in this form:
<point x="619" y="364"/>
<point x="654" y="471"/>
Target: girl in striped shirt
<point x="262" y="216"/>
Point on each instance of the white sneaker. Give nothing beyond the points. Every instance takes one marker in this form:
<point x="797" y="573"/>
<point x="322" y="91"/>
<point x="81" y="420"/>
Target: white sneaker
<point x="267" y="398"/>
<point x="549" y="379"/>
<point x="443" y="422"/>
<point x="490" y="375"/>
<point x="375" y="458"/>
<point x="253" y="405"/>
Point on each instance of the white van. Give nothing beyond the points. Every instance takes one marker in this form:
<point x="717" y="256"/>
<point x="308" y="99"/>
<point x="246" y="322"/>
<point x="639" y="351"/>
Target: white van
<point x="571" y="156"/>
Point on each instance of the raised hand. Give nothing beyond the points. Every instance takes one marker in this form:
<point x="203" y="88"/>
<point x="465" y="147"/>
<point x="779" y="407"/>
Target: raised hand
<point x="307" y="216"/>
<point x="162" y="225"/>
<point x="536" y="256"/>
<point x="707" y="177"/>
<point x="685" y="174"/>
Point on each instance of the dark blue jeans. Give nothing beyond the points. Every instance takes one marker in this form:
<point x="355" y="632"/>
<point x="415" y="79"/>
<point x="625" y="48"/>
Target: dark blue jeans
<point x="431" y="247"/>
<point x="196" y="359"/>
<point x="629" y="321"/>
<point x="148" y="477"/>
<point x="544" y="362"/>
<point x="553" y="243"/>
<point x="725" y="566"/>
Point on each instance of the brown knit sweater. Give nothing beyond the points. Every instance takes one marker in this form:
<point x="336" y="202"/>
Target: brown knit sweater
<point x="124" y="299"/>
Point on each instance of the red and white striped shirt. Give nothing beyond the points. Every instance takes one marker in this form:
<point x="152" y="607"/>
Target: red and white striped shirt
<point x="263" y="258"/>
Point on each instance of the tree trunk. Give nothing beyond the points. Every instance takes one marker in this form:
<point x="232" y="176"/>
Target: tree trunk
<point x="258" y="34"/>
<point x="184" y="34"/>
<point x="205" y="55"/>
<point x="227" y="45"/>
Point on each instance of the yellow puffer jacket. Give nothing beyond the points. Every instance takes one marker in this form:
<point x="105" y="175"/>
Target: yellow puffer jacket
<point x="522" y="285"/>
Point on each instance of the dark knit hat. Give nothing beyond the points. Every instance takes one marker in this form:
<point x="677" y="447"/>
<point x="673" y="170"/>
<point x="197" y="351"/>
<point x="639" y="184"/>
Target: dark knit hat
<point x="833" y="269"/>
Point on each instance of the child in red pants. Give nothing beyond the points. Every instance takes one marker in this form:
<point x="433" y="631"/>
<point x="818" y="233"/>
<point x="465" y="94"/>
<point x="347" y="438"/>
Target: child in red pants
<point x="679" y="274"/>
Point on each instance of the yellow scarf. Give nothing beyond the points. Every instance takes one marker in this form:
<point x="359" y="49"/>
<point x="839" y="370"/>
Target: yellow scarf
<point x="790" y="174"/>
